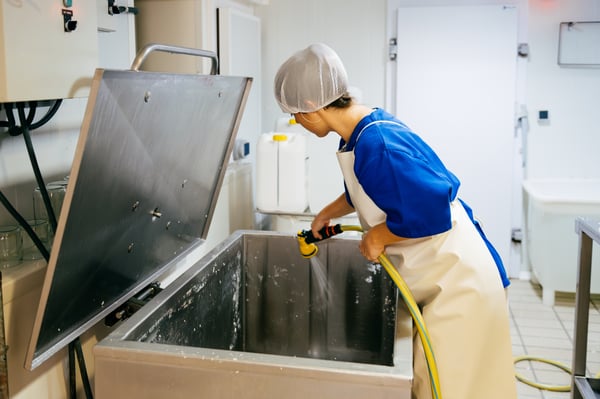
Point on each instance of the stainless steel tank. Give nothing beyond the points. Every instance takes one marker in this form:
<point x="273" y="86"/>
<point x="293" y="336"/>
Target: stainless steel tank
<point x="254" y="319"/>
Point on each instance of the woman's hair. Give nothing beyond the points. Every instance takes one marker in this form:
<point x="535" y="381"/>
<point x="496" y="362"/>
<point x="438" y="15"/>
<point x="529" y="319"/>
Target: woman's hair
<point x="343" y="102"/>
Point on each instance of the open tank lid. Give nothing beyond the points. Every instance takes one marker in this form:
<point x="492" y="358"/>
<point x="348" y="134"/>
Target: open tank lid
<point x="147" y="171"/>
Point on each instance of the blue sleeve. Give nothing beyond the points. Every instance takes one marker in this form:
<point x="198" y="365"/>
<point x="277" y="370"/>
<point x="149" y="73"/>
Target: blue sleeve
<point x="410" y="187"/>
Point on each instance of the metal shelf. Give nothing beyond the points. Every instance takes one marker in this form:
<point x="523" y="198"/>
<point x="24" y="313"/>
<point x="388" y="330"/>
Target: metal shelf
<point x="587" y="387"/>
<point x="584" y="387"/>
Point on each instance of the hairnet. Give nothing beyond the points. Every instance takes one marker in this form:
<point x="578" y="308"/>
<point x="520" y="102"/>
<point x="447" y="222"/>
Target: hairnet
<point x="310" y="80"/>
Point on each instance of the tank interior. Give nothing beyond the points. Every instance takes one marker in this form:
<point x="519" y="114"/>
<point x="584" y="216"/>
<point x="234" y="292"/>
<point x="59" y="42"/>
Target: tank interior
<point x="257" y="294"/>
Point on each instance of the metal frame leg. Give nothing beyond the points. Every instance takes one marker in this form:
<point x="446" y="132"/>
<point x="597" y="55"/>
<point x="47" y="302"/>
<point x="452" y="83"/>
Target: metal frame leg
<point x="582" y="306"/>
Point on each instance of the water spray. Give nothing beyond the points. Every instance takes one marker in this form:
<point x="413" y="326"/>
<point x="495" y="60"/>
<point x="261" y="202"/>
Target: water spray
<point x="308" y="249"/>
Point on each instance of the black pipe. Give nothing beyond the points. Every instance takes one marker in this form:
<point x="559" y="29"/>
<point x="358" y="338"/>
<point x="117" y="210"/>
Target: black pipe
<point x="34" y="237"/>
<point x="31" y="115"/>
<point x="82" y="369"/>
<point x="72" y="376"/>
<point x="13" y="130"/>
<point x="48" y="115"/>
<point x="36" y="168"/>
<point x="3" y="123"/>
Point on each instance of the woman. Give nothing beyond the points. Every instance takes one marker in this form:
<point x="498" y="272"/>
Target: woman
<point x="407" y="203"/>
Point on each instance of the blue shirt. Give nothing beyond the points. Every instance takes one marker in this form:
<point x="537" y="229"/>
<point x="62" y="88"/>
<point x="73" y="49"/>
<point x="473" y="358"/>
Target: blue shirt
<point x="406" y="179"/>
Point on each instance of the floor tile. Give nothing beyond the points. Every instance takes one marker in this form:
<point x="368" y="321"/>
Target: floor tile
<point x="546" y="332"/>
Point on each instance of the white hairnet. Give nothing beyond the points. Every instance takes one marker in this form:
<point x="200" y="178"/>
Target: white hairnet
<point x="310" y="80"/>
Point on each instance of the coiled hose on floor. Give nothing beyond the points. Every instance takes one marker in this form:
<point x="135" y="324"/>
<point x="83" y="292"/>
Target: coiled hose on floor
<point x="545" y="387"/>
<point x="308" y="249"/>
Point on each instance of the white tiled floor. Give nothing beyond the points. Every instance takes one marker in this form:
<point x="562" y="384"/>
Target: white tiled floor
<point x="547" y="332"/>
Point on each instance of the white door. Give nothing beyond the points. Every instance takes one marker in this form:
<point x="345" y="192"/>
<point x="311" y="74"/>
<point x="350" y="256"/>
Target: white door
<point x="456" y="87"/>
<point x="239" y="55"/>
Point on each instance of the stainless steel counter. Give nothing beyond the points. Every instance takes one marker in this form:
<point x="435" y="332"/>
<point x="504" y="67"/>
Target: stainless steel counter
<point x="584" y="387"/>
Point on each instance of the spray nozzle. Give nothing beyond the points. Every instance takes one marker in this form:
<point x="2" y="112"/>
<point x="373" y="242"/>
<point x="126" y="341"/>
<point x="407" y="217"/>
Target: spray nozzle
<point x="307" y="250"/>
<point x="306" y="239"/>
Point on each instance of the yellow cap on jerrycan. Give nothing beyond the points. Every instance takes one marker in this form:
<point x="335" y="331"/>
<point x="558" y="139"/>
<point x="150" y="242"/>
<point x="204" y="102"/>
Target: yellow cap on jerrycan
<point x="279" y="137"/>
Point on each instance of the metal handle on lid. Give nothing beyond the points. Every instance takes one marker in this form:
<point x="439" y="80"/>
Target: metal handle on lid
<point x="147" y="49"/>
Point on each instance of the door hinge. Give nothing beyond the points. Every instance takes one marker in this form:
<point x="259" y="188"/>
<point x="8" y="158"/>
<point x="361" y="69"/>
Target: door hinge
<point x="393" y="49"/>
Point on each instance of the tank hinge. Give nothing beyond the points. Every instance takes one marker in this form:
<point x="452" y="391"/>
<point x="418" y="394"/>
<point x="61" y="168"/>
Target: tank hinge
<point x="133" y="304"/>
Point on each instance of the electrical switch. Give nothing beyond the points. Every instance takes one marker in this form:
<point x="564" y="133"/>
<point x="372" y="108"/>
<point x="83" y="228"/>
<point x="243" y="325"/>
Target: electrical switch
<point x="69" y="23"/>
<point x="114" y="9"/>
<point x="68" y="3"/>
<point x="544" y="117"/>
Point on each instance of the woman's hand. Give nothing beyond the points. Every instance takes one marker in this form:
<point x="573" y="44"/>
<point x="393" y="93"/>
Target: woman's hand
<point x="337" y="208"/>
<point x="375" y="240"/>
<point x="317" y="224"/>
<point x="370" y="247"/>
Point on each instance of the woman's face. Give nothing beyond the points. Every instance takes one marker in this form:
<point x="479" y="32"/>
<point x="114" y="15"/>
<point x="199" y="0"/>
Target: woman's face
<point x="312" y="122"/>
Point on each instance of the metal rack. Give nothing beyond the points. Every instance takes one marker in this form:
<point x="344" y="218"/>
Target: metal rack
<point x="584" y="387"/>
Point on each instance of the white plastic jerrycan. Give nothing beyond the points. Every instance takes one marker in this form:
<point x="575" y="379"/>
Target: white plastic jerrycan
<point x="281" y="166"/>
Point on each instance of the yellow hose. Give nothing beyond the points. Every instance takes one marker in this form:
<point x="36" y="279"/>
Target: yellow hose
<point x="413" y="308"/>
<point x="424" y="335"/>
<point x="553" y="388"/>
<point x="420" y="323"/>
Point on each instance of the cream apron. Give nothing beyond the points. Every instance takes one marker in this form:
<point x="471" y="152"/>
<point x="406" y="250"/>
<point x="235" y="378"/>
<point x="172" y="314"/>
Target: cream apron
<point x="455" y="281"/>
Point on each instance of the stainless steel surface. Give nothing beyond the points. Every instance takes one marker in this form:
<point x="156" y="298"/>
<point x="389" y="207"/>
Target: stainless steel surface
<point x="149" y="163"/>
<point x="253" y="311"/>
<point x="261" y="296"/>
<point x="149" y="48"/>
<point x="589" y="232"/>
<point x="584" y="387"/>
